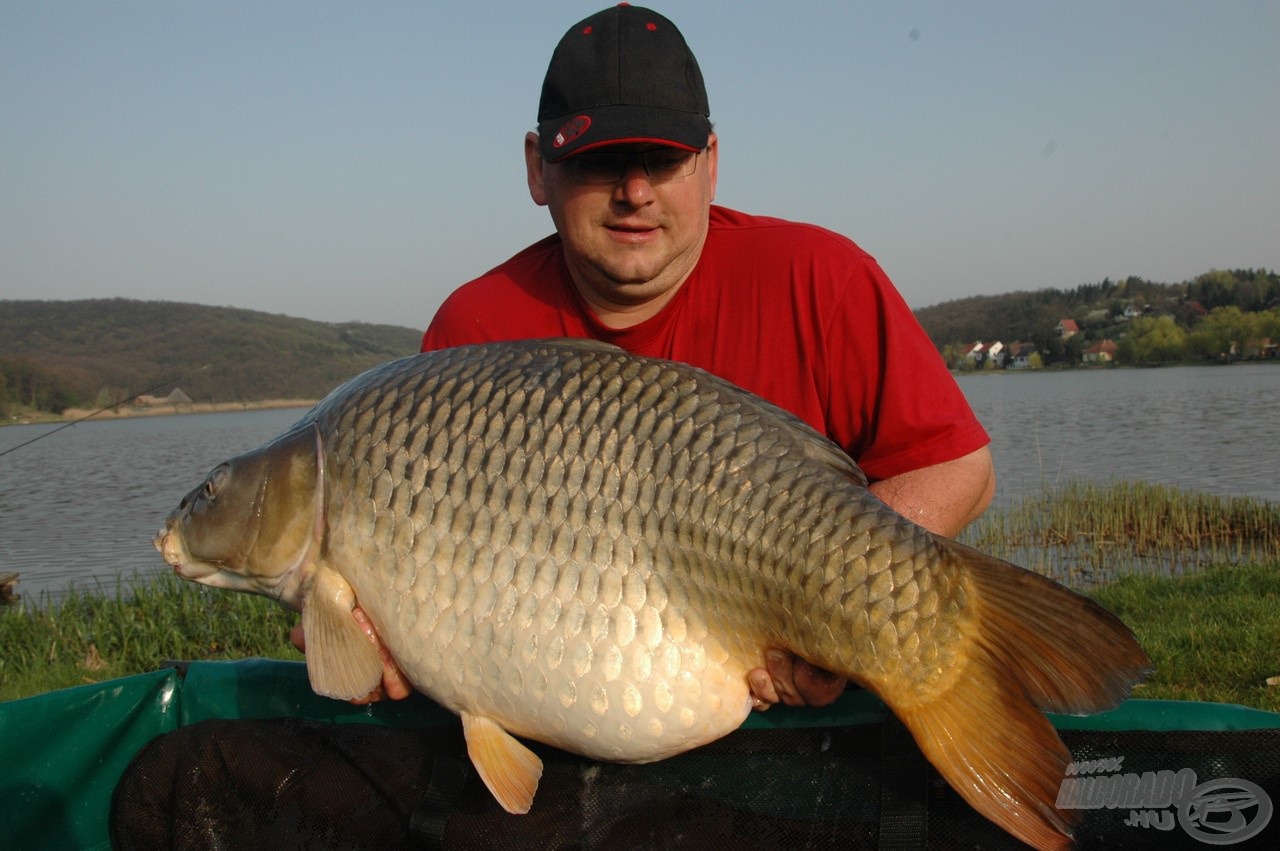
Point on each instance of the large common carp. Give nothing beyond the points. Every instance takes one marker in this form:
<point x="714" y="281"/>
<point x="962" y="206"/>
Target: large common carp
<point x="562" y="541"/>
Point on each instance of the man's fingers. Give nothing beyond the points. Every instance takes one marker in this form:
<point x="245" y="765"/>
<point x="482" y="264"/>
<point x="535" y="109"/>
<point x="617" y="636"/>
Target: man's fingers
<point x="763" y="694"/>
<point x="394" y="683"/>
<point x="782" y="671"/>
<point x="791" y="680"/>
<point x="817" y="686"/>
<point x="298" y="638"/>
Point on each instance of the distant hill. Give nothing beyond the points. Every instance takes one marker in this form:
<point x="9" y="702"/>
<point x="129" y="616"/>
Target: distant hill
<point x="1101" y="310"/>
<point x="58" y="354"/>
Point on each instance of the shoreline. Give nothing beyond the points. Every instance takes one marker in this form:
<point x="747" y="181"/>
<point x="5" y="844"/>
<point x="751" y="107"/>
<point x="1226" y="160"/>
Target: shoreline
<point x="121" y="412"/>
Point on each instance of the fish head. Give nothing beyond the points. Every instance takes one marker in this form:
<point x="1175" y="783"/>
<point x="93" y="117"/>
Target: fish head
<point x="256" y="522"/>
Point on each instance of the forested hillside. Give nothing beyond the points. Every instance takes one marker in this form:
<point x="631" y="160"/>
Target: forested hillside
<point x="1200" y="319"/>
<point x="60" y="354"/>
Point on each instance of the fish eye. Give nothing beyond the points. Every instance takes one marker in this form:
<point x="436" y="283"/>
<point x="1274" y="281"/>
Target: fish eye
<point x="215" y="482"/>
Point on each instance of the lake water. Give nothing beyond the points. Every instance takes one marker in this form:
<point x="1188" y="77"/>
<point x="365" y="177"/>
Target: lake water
<point x="1212" y="429"/>
<point x="83" y="504"/>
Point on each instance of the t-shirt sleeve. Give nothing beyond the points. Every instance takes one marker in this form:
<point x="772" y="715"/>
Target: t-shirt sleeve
<point x="458" y="322"/>
<point x="908" y="411"/>
<point x="523" y="297"/>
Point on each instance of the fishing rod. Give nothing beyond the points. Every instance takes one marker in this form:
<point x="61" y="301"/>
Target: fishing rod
<point x="114" y="404"/>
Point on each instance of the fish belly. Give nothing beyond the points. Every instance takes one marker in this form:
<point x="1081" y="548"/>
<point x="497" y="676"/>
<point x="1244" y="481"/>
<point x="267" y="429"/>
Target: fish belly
<point x="591" y="661"/>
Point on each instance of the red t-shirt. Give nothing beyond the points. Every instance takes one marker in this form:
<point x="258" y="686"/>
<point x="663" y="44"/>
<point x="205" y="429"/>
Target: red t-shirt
<point x="794" y="313"/>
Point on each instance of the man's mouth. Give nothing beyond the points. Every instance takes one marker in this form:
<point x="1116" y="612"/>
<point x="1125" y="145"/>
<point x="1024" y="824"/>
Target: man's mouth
<point x="626" y="231"/>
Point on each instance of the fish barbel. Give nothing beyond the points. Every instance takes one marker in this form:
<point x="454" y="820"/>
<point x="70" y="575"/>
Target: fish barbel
<point x="561" y="541"/>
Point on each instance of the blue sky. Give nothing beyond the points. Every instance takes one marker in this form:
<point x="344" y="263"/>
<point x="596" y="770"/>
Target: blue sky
<point x="344" y="161"/>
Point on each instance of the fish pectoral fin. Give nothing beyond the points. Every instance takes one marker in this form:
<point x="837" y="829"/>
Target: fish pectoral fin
<point x="341" y="660"/>
<point x="509" y="769"/>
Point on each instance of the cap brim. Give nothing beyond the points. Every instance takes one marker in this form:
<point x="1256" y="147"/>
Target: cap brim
<point x="562" y="137"/>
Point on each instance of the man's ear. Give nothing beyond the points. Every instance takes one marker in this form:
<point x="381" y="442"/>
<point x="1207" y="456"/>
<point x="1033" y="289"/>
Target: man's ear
<point x="713" y="161"/>
<point x="534" y="165"/>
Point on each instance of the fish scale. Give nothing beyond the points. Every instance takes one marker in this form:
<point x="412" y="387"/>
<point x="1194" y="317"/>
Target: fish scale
<point x="562" y="541"/>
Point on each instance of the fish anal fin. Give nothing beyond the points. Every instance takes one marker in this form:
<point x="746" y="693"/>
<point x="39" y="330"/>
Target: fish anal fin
<point x="999" y="752"/>
<point x="509" y="769"/>
<point x="341" y="660"/>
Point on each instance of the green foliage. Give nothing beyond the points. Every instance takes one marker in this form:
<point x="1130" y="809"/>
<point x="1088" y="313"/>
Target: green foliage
<point x="58" y="354"/>
<point x="1153" y="340"/>
<point x="91" y="637"/>
<point x="1219" y="315"/>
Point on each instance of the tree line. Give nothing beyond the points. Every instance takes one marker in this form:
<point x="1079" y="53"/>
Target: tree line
<point x="91" y="353"/>
<point x="1220" y="315"/>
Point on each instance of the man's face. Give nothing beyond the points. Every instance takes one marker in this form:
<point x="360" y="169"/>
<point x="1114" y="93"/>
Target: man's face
<point x="630" y="241"/>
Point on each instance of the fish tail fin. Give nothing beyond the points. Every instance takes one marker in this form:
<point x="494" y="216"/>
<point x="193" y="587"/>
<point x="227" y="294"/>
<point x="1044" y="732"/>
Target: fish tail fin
<point x="1031" y="646"/>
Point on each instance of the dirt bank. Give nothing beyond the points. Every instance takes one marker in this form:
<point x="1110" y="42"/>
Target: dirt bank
<point x="123" y="411"/>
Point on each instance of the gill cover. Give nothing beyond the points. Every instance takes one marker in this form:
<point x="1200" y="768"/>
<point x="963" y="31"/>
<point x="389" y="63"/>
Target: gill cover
<point x="258" y="518"/>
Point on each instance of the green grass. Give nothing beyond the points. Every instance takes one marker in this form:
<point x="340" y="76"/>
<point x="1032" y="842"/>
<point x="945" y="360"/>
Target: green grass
<point x="88" y="637"/>
<point x="1212" y="635"/>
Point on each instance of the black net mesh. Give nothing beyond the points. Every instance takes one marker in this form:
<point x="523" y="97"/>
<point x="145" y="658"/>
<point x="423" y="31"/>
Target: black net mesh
<point x="289" y="783"/>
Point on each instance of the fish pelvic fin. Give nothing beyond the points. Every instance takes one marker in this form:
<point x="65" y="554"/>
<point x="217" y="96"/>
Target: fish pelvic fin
<point x="1031" y="645"/>
<point x="341" y="660"/>
<point x="509" y="769"/>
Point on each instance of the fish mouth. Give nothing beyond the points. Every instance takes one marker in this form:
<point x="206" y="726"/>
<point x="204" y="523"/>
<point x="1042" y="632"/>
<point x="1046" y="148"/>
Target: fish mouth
<point x="170" y="546"/>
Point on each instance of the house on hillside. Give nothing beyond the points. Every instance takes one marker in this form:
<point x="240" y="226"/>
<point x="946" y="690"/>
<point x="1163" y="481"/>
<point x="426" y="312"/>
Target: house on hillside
<point x="1104" y="352"/>
<point x="975" y="354"/>
<point x="980" y="353"/>
<point x="1020" y="355"/>
<point x="1067" y="328"/>
<point x="175" y="397"/>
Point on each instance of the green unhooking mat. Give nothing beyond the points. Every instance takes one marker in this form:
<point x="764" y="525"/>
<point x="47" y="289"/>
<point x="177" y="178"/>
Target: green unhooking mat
<point x="243" y="755"/>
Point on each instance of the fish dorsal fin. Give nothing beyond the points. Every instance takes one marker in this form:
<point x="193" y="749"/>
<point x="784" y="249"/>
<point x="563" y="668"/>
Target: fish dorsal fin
<point x="508" y="768"/>
<point x="341" y="660"/>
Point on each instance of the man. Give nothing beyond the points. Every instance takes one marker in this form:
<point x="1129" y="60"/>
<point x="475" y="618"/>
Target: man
<point x="626" y="162"/>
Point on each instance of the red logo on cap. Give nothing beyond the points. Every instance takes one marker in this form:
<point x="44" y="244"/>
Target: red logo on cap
<point x="572" y="129"/>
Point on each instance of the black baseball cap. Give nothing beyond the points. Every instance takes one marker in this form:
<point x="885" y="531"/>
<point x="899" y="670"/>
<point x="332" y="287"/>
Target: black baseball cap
<point x="622" y="75"/>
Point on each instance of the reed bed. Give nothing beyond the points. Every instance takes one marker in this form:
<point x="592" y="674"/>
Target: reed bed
<point x="1087" y="534"/>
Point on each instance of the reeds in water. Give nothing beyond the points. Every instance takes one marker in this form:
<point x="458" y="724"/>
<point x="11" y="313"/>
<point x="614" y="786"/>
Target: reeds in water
<point x="1084" y="534"/>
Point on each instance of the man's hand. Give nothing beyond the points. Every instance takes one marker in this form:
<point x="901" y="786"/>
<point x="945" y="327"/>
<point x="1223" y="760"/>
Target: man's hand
<point x="791" y="680"/>
<point x="395" y="685"/>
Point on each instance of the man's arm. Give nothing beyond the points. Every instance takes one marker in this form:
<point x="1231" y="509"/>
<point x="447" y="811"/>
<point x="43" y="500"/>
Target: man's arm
<point x="943" y="498"/>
